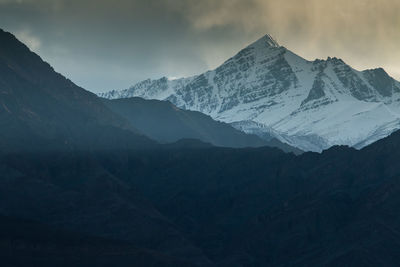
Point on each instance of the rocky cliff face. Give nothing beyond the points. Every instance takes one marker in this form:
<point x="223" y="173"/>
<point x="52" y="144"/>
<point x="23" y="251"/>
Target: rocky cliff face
<point x="309" y="104"/>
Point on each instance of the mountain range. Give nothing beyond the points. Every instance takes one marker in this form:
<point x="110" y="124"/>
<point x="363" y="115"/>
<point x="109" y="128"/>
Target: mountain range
<point x="42" y="110"/>
<point x="84" y="181"/>
<point x="202" y="207"/>
<point x="270" y="91"/>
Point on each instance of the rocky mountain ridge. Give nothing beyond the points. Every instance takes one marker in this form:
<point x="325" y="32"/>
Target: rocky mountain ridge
<point x="312" y="105"/>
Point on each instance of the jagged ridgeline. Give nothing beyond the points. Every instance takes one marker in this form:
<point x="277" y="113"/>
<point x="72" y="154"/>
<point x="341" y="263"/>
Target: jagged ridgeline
<point x="270" y="91"/>
<point x="42" y="110"/>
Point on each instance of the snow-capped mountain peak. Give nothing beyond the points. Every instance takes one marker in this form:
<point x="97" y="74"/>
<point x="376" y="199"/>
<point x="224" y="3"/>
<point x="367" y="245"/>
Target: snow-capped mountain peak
<point x="309" y="104"/>
<point x="265" y="41"/>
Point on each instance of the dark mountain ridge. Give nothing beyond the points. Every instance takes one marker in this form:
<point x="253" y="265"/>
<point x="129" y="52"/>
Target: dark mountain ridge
<point x="41" y="109"/>
<point x="164" y="122"/>
<point x="244" y="207"/>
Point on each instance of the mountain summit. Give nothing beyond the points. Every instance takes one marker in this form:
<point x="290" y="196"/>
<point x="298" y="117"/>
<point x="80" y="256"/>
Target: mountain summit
<point x="267" y="40"/>
<point x="270" y="91"/>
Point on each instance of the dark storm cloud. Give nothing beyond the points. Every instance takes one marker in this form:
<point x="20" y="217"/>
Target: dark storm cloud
<point x="105" y="45"/>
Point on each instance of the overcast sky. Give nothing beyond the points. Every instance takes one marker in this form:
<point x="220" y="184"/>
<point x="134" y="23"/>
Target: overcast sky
<point x="103" y="45"/>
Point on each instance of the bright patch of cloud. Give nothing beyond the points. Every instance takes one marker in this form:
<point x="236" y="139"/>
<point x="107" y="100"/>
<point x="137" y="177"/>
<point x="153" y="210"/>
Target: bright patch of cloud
<point x="28" y="39"/>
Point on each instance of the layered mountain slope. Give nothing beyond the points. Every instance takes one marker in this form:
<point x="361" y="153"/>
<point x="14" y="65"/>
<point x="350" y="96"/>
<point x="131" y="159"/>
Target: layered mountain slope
<point x="164" y="122"/>
<point x="41" y="109"/>
<point x="29" y="243"/>
<point x="268" y="90"/>
<point x="262" y="207"/>
<point x="72" y="191"/>
<point x="209" y="206"/>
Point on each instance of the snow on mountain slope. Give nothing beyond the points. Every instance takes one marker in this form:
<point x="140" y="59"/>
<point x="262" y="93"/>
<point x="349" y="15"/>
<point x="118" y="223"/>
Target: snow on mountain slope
<point x="267" y="90"/>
